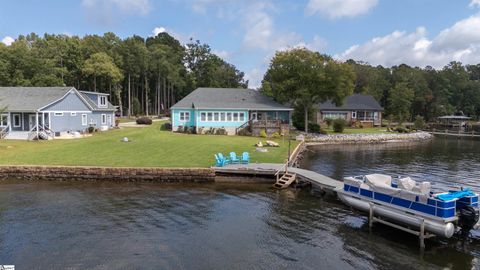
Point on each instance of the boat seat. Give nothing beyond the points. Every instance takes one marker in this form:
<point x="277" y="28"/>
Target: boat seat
<point x="423" y="188"/>
<point x="406" y="183"/>
<point x="379" y="180"/>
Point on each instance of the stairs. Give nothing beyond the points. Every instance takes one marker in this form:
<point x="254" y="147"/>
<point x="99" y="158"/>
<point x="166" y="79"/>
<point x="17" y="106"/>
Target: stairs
<point x="17" y="135"/>
<point x="285" y="181"/>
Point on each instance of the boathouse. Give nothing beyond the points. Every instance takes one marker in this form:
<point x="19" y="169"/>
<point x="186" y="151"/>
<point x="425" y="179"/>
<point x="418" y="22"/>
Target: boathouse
<point x="357" y="109"/>
<point x="47" y="112"/>
<point x="231" y="110"/>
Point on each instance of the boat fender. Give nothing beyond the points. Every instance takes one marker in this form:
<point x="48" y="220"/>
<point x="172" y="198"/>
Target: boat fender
<point x="468" y="219"/>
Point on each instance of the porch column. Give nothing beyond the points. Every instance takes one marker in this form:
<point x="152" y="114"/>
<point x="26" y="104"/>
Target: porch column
<point x="36" y="122"/>
<point x="9" y="122"/>
<point x="43" y="119"/>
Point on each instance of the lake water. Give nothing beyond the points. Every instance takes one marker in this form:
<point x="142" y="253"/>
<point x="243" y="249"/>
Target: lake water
<point x="74" y="225"/>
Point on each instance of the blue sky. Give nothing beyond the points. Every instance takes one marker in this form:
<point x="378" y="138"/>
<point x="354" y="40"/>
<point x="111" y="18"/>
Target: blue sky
<point x="247" y="33"/>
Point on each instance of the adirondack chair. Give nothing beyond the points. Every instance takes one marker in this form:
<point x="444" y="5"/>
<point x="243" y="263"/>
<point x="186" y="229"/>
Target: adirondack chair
<point x="233" y="158"/>
<point x="245" y="158"/>
<point x="224" y="159"/>
<point x="218" y="161"/>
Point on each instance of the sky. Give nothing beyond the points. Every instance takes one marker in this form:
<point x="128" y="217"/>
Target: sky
<point x="247" y="33"/>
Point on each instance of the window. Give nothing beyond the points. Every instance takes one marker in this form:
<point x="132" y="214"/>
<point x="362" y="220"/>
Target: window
<point x="73" y="114"/>
<point x="209" y="116"/>
<point x="184" y="116"/>
<point x="102" y="101"/>
<point x="354" y="115"/>
<point x="216" y="117"/>
<point x="229" y="117"/>
<point x="235" y="117"/>
<point x="109" y="119"/>
<point x="58" y="114"/>
<point x="17" y="120"/>
<point x="104" y="119"/>
<point x="334" y="115"/>
<point x="84" y="119"/>
<point x="4" y="120"/>
<point x="242" y="117"/>
<point x="203" y="117"/>
<point x="222" y="117"/>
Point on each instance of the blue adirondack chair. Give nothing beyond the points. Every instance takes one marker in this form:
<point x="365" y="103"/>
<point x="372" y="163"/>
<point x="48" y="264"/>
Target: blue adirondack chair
<point x="233" y="158"/>
<point x="218" y="161"/>
<point x="224" y="159"/>
<point x="245" y="158"/>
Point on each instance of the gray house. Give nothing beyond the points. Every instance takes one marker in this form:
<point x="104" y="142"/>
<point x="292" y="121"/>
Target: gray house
<point x="46" y="112"/>
<point x="357" y="109"/>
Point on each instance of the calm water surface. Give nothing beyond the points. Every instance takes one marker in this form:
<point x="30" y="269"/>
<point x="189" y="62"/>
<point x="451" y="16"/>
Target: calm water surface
<point x="61" y="225"/>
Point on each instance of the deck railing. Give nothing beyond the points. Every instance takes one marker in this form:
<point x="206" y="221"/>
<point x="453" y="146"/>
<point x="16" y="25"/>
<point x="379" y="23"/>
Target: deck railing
<point x="4" y="132"/>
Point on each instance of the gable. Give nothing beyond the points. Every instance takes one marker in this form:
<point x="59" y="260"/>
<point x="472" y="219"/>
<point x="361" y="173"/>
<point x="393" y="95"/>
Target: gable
<point x="71" y="102"/>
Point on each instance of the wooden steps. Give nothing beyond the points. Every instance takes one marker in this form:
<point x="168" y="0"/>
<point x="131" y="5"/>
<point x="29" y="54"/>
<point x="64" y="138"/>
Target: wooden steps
<point x="285" y="181"/>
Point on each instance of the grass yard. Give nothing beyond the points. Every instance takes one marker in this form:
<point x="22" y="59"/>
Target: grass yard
<point x="359" y="130"/>
<point x="149" y="147"/>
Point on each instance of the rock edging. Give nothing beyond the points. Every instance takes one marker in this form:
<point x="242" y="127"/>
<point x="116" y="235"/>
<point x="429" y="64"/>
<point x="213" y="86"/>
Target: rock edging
<point x="367" y="138"/>
<point x="168" y="175"/>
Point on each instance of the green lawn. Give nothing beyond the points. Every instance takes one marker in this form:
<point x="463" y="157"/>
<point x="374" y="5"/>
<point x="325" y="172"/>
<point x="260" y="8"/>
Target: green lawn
<point x="149" y="147"/>
<point x="359" y="130"/>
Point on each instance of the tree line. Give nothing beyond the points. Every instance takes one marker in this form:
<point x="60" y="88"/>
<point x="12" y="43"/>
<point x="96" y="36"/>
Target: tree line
<point x="304" y="78"/>
<point x="142" y="75"/>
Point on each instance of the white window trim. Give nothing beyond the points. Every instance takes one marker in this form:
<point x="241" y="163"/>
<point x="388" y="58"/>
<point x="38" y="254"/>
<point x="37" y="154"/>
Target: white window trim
<point x="354" y="115"/>
<point x="58" y="114"/>
<point x="225" y="113"/>
<point x="104" y="117"/>
<point x="19" y="119"/>
<point x="84" y="116"/>
<point x="73" y="114"/>
<point x="186" y="116"/>
<point x="100" y="101"/>
<point x="1" y="119"/>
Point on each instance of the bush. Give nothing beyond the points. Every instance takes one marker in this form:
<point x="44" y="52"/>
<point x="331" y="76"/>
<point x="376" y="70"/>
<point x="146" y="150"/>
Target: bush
<point x="419" y="122"/>
<point x="329" y="121"/>
<point x="401" y="129"/>
<point x="313" y="127"/>
<point x="263" y="133"/>
<point x="276" y="135"/>
<point x="91" y="129"/>
<point x="339" y="125"/>
<point x="244" y="132"/>
<point x="166" y="127"/>
<point x="323" y="131"/>
<point x="144" y="121"/>
<point x="221" y="131"/>
<point x="117" y="121"/>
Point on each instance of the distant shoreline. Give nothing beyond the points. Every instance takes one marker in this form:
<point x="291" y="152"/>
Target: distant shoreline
<point x="367" y="138"/>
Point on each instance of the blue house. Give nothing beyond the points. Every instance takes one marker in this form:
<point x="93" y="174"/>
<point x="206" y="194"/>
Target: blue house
<point x="231" y="110"/>
<point x="47" y="112"/>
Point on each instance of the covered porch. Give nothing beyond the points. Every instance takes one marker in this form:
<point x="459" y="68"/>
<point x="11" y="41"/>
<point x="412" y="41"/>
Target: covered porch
<point x="270" y="121"/>
<point x="25" y="125"/>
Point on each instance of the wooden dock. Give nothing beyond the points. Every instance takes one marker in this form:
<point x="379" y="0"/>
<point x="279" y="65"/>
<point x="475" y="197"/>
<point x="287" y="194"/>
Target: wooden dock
<point x="270" y="169"/>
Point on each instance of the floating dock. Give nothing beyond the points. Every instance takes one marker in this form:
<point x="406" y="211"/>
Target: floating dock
<point x="271" y="169"/>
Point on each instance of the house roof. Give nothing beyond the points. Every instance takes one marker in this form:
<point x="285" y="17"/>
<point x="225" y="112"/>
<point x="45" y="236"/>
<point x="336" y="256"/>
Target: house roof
<point x="93" y="104"/>
<point x="29" y="99"/>
<point x="228" y="98"/>
<point x="353" y="102"/>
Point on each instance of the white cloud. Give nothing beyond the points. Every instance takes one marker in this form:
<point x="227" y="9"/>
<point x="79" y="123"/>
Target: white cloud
<point x="460" y="42"/>
<point x="474" y="3"/>
<point x="340" y="8"/>
<point x="158" y="30"/>
<point x="222" y="54"/>
<point x="109" y="11"/>
<point x="8" y="40"/>
<point x="254" y="77"/>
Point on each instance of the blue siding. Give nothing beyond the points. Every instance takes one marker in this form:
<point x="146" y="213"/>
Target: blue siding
<point x="72" y="102"/>
<point x="176" y="118"/>
<point x="69" y="122"/>
<point x="225" y="123"/>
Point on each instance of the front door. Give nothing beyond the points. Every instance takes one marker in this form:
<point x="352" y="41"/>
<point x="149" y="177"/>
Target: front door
<point x="254" y="117"/>
<point x="31" y="121"/>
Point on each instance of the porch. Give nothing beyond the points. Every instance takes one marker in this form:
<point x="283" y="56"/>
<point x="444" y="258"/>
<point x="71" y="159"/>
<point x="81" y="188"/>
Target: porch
<point x="269" y="121"/>
<point x="25" y="125"/>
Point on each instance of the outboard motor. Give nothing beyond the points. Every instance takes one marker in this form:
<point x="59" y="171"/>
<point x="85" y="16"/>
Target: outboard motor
<point x="467" y="219"/>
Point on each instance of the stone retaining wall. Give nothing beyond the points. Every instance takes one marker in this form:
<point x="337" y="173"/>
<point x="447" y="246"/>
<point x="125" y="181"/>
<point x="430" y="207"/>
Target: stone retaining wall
<point x="107" y="173"/>
<point x="367" y="138"/>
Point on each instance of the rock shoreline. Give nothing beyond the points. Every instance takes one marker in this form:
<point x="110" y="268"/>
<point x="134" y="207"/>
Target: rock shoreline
<point x="366" y="138"/>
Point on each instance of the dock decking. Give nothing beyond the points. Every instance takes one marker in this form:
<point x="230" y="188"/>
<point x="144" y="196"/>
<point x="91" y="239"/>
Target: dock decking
<point x="318" y="180"/>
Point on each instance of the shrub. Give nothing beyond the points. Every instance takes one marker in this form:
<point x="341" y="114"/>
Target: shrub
<point x="200" y="130"/>
<point x="401" y="129"/>
<point x="117" y="121"/>
<point x="339" y="125"/>
<point x="329" y="121"/>
<point x="244" y="132"/>
<point x="263" y="133"/>
<point x="166" y="126"/>
<point x="144" y="121"/>
<point x="419" y="122"/>
<point x="276" y="135"/>
<point x="221" y="131"/>
<point x="314" y="127"/>
<point x="91" y="129"/>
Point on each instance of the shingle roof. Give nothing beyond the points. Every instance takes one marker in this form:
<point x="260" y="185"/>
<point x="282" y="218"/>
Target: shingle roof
<point x="94" y="104"/>
<point x="353" y="102"/>
<point x="228" y="98"/>
<point x="29" y="99"/>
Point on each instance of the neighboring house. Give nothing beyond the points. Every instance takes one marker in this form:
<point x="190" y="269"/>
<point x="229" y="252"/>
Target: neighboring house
<point x="52" y="110"/>
<point x="356" y="109"/>
<point x="231" y="109"/>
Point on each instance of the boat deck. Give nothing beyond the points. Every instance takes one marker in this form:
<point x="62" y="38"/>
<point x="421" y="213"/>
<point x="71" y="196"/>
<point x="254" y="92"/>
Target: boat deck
<point x="316" y="179"/>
